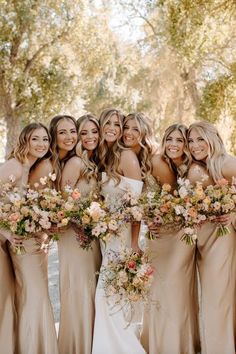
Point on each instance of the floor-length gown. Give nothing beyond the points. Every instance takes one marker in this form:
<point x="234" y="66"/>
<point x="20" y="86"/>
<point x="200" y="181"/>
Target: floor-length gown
<point x="171" y="317"/>
<point x="111" y="333"/>
<point x="36" y="332"/>
<point x="77" y="269"/>
<point x="7" y="307"/>
<point x="216" y="262"/>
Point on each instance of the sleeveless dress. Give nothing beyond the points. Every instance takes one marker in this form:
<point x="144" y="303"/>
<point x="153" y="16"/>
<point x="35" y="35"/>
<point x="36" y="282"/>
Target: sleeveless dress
<point x="77" y="269"/>
<point x="171" y="318"/>
<point x="172" y="311"/>
<point x="7" y="307"/>
<point x="111" y="333"/>
<point x="216" y="263"/>
<point x="36" y="332"/>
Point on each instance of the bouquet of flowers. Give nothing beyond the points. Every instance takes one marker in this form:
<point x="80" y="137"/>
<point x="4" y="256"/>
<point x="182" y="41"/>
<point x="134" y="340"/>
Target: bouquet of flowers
<point x="186" y="203"/>
<point x="158" y="207"/>
<point x="96" y="218"/>
<point x="127" y="277"/>
<point x="29" y="212"/>
<point x="90" y="217"/>
<point x="219" y="199"/>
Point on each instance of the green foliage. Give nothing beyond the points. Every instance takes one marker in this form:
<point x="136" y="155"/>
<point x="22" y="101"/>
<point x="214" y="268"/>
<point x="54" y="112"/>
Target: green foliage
<point x="214" y="98"/>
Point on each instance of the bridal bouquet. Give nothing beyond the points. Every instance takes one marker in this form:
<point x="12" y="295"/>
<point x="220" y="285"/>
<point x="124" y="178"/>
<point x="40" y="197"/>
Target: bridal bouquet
<point x="127" y="277"/>
<point x="30" y="212"/>
<point x="219" y="199"/>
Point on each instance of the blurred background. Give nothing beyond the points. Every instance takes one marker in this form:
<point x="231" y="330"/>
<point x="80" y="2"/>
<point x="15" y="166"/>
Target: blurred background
<point x="175" y="60"/>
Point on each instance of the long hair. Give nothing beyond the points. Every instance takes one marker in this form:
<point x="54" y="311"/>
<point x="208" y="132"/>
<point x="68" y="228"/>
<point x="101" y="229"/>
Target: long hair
<point x="21" y="150"/>
<point x="146" y="141"/>
<point x="109" y="157"/>
<point x="216" y="148"/>
<point x="58" y="164"/>
<point x="91" y="168"/>
<point x="182" y="169"/>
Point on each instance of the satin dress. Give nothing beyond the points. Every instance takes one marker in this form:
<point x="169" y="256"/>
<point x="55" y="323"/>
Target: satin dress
<point x="171" y="317"/>
<point x="216" y="262"/>
<point x="36" y="332"/>
<point x="77" y="268"/>
<point x="111" y="333"/>
<point x="7" y="306"/>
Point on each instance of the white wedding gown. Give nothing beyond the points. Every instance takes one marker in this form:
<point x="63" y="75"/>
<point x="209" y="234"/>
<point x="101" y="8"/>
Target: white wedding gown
<point x="112" y="332"/>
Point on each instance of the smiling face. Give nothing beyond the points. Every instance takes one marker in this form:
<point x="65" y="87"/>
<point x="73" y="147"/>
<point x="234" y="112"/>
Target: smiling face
<point x="89" y="135"/>
<point x="131" y="133"/>
<point x="38" y="144"/>
<point x="197" y="145"/>
<point x="66" y="136"/>
<point x="111" y="129"/>
<point x="174" y="145"/>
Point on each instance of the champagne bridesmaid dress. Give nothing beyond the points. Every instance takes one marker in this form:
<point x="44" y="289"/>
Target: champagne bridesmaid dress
<point x="77" y="269"/>
<point x="171" y="318"/>
<point x="7" y="292"/>
<point x="36" y="332"/>
<point x="216" y="261"/>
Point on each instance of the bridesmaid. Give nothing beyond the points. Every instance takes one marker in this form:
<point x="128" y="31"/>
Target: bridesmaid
<point x="78" y="266"/>
<point x="63" y="132"/>
<point x="11" y="170"/>
<point x="173" y="310"/>
<point x="215" y="256"/>
<point x="120" y="168"/>
<point x="35" y="325"/>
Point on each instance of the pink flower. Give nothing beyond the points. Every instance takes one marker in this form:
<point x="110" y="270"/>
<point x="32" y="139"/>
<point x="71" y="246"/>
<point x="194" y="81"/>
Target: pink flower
<point x="14" y="217"/>
<point x="75" y="194"/>
<point x="222" y="182"/>
<point x="131" y="264"/>
<point x="149" y="271"/>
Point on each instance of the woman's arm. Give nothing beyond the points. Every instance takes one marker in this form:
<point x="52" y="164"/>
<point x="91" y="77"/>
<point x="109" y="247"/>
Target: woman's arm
<point x="71" y="172"/>
<point x="43" y="169"/>
<point x="162" y="172"/>
<point x="11" y="168"/>
<point x="130" y="168"/>
<point x="129" y="165"/>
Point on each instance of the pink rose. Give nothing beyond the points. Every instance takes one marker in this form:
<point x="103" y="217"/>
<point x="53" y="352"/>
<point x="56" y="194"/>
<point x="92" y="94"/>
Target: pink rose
<point x="131" y="264"/>
<point x="75" y="194"/>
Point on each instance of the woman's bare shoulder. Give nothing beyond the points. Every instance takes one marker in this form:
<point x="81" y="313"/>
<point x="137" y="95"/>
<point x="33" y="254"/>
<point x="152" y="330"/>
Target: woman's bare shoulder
<point x="11" y="168"/>
<point x="229" y="167"/>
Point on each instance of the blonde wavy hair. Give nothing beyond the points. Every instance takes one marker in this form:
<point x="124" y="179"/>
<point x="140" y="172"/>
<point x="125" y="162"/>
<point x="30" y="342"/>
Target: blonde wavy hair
<point x="91" y="164"/>
<point x="58" y="164"/>
<point x="146" y="141"/>
<point x="20" y="152"/>
<point x="109" y="157"/>
<point x="182" y="169"/>
<point x="216" y="148"/>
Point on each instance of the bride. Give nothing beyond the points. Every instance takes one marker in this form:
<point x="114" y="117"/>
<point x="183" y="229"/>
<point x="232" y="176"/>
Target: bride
<point x="121" y="170"/>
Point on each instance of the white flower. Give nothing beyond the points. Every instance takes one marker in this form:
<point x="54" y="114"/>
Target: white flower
<point x="52" y="176"/>
<point x="113" y="225"/>
<point x="183" y="192"/>
<point x="12" y="178"/>
<point x="43" y="180"/>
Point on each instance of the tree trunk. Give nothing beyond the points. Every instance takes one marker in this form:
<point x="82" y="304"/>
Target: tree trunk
<point x="13" y="131"/>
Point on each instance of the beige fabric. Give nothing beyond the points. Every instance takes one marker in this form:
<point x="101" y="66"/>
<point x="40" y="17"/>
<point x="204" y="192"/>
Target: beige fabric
<point x="170" y="322"/>
<point x="216" y="260"/>
<point x="35" y="325"/>
<point x="77" y="269"/>
<point x="7" y="310"/>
